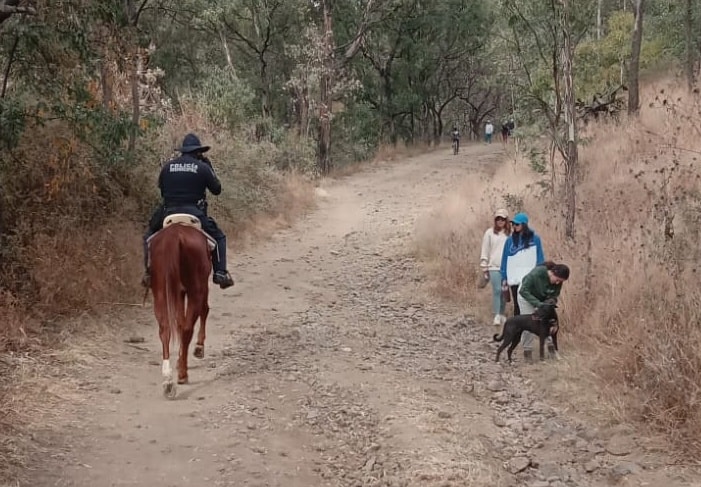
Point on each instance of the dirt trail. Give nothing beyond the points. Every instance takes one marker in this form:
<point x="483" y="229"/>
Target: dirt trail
<point x="328" y="364"/>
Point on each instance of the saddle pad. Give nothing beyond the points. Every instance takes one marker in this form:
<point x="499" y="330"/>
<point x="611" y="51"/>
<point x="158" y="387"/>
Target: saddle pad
<point x="183" y="219"/>
<point x="211" y="243"/>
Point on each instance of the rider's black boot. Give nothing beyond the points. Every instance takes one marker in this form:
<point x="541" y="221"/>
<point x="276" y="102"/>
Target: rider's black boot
<point x="221" y="275"/>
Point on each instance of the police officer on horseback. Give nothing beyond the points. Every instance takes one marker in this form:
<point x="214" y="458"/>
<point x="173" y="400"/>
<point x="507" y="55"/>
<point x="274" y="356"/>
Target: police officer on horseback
<point x="183" y="182"/>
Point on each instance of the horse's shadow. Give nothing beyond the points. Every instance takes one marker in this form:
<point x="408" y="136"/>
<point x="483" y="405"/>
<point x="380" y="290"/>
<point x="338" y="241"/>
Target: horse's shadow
<point x="186" y="391"/>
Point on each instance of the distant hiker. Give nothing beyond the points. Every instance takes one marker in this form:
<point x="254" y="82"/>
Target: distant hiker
<point x="455" y="134"/>
<point x="511" y="127"/>
<point x="505" y="132"/>
<point x="488" y="132"/>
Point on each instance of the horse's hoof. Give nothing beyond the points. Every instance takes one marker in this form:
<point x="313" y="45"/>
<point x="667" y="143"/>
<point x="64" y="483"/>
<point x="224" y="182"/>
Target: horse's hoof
<point x="169" y="389"/>
<point x="199" y="351"/>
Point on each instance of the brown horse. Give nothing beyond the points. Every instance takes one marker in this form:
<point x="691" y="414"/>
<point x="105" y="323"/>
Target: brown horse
<point x="180" y="256"/>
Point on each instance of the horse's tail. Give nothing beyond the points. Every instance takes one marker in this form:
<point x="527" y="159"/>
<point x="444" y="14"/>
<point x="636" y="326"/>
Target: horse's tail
<point x="497" y="337"/>
<point x="173" y="288"/>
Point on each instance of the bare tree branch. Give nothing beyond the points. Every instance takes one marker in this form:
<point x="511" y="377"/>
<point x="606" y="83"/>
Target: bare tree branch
<point x="9" y="9"/>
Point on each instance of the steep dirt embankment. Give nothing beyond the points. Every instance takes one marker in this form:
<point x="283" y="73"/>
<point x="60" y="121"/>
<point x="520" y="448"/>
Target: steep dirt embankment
<point x="329" y="363"/>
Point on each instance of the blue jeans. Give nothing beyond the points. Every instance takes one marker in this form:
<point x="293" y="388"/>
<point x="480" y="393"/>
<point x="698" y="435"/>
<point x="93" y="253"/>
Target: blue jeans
<point x="498" y="304"/>
<point x="208" y="225"/>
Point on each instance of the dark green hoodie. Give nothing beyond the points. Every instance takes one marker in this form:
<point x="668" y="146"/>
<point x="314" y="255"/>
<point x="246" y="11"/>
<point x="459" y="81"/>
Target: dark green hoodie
<point x="536" y="287"/>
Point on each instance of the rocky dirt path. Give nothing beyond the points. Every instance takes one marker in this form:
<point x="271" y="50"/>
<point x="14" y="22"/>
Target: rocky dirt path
<point x="328" y="364"/>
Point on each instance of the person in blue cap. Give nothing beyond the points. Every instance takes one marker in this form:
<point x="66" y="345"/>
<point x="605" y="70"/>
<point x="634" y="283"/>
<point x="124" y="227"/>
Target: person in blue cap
<point x="523" y="251"/>
<point x="184" y="182"/>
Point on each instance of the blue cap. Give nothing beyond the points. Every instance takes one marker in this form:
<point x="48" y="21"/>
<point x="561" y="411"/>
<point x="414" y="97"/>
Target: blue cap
<point x="520" y="219"/>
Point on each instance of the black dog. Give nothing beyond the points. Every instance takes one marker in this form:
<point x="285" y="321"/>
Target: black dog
<point x="543" y="323"/>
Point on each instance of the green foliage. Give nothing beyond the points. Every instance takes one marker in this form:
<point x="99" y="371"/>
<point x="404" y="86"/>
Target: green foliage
<point x="599" y="61"/>
<point x="358" y="129"/>
<point x="292" y="153"/>
<point x="12" y="121"/>
<point x="537" y="161"/>
<point x="419" y="61"/>
<point x="224" y="99"/>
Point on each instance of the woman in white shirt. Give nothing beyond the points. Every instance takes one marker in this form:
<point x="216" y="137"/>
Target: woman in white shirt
<point x="490" y="260"/>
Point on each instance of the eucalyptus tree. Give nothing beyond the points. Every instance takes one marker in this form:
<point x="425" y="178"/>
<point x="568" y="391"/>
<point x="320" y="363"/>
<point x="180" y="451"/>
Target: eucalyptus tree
<point x="544" y="36"/>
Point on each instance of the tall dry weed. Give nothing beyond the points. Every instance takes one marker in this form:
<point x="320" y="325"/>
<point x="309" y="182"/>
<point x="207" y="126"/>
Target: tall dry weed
<point x="632" y="301"/>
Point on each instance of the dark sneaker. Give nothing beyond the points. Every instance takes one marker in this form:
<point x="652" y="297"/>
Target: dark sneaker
<point x="146" y="279"/>
<point x="528" y="355"/>
<point x="223" y="278"/>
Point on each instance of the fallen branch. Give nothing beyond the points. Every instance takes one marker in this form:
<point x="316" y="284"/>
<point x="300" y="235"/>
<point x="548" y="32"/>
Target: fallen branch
<point x="9" y="9"/>
<point x="143" y="349"/>
<point x="120" y="304"/>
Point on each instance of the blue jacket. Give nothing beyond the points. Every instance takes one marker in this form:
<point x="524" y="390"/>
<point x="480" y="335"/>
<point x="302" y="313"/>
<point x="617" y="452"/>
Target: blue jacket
<point x="519" y="260"/>
<point x="184" y="181"/>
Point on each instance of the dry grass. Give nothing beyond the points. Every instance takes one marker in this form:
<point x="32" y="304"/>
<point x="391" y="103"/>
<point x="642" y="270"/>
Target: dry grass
<point x="75" y="246"/>
<point x="633" y="298"/>
<point x="448" y="240"/>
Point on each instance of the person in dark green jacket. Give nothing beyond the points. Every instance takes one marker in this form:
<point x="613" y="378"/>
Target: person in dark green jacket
<point x="542" y="283"/>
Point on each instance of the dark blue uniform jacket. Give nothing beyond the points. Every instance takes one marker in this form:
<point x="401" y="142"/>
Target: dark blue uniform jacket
<point x="184" y="181"/>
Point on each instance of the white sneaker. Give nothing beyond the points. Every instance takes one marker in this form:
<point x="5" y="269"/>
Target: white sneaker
<point x="497" y="320"/>
<point x="502" y="319"/>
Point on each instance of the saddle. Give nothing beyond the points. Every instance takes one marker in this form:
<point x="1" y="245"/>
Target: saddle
<point x="187" y="220"/>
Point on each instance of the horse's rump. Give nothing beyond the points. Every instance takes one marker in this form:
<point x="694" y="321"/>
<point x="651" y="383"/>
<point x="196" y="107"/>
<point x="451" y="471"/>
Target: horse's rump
<point x="180" y="267"/>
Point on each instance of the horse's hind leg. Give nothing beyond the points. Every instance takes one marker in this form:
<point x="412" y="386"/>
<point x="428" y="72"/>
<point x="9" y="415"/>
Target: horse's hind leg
<point x="185" y="339"/>
<point x="201" y="334"/>
<point x="167" y="372"/>
<point x="193" y="311"/>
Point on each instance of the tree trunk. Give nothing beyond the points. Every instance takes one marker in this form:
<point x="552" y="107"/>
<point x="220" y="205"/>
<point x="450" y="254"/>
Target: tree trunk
<point x="571" y="155"/>
<point x="324" y="161"/>
<point x="598" y="19"/>
<point x="634" y="68"/>
<point x="690" y="52"/>
<point x="303" y="110"/>
<point x="8" y="66"/>
<point x="265" y="88"/>
<point x="389" y="122"/>
<point x="106" y="84"/>
<point x="135" y="109"/>
<point x="227" y="53"/>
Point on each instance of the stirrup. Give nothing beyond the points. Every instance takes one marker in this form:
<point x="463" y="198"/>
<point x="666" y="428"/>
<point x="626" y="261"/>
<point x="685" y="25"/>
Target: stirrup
<point x="223" y="278"/>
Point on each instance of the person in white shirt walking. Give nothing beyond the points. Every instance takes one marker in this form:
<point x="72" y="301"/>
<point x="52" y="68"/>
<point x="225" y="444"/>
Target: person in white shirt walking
<point x="488" y="132"/>
<point x="490" y="260"/>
